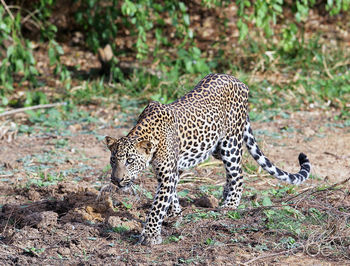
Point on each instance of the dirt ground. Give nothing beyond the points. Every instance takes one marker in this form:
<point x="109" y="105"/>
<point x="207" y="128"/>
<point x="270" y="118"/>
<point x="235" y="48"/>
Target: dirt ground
<point x="55" y="219"/>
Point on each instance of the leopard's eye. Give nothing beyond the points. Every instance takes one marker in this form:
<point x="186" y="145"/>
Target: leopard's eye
<point x="129" y="160"/>
<point x="112" y="160"/>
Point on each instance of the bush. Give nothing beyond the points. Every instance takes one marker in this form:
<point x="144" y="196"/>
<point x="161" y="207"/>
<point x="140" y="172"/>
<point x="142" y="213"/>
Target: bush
<point x="161" y="32"/>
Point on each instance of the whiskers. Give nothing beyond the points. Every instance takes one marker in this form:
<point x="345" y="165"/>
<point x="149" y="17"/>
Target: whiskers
<point x="131" y="188"/>
<point x="134" y="189"/>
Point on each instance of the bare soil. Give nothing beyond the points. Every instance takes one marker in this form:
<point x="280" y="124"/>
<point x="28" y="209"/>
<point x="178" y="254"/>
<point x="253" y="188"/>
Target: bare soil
<point x="63" y="223"/>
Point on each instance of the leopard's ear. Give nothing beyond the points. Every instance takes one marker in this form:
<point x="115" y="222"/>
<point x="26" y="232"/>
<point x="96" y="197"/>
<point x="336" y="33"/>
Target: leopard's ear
<point x="110" y="141"/>
<point x="146" y="146"/>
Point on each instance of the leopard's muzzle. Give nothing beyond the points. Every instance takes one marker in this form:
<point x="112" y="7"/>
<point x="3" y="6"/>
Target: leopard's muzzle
<point x="121" y="182"/>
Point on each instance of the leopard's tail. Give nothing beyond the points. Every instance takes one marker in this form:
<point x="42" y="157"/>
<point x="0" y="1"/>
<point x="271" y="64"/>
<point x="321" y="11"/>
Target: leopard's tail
<point x="266" y="164"/>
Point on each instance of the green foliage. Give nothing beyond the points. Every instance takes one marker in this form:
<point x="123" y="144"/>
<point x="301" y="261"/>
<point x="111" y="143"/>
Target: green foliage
<point x="43" y="12"/>
<point x="190" y="60"/>
<point x="290" y="41"/>
<point x="99" y="21"/>
<point x="102" y="22"/>
<point x="198" y="215"/>
<point x="234" y="215"/>
<point x="18" y="63"/>
<point x="336" y="6"/>
<point x="54" y="53"/>
<point x="146" y="193"/>
<point x="286" y="218"/>
<point x="127" y="205"/>
<point x="32" y="251"/>
<point x="289" y="242"/>
<point x="173" y="239"/>
<point x="162" y="35"/>
<point x="209" y="241"/>
<point x="120" y="229"/>
<point x="44" y="179"/>
<point x="265" y="14"/>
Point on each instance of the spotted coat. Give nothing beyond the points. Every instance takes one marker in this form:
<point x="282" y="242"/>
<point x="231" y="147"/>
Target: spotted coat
<point x="211" y="119"/>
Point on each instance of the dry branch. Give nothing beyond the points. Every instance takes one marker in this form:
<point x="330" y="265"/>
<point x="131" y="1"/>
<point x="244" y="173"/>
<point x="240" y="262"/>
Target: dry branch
<point x="40" y="106"/>
<point x="7" y="9"/>
<point x="271" y="255"/>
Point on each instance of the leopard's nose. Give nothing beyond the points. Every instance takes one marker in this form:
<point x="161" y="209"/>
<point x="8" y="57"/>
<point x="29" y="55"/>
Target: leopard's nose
<point x="117" y="181"/>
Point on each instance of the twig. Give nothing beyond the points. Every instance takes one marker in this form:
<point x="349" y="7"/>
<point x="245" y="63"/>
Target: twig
<point x="295" y="196"/>
<point x="329" y="209"/>
<point x="325" y="64"/>
<point x="30" y="14"/>
<point x="9" y="175"/>
<point x="339" y="183"/>
<point x="271" y="255"/>
<point x="260" y="208"/>
<point x="339" y="64"/>
<point x="247" y="209"/>
<point x="326" y="68"/>
<point x="7" y="9"/>
<point x="40" y="106"/>
<point x="336" y="156"/>
<point x="312" y="190"/>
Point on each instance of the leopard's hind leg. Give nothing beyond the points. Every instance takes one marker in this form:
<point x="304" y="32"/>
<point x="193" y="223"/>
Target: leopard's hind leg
<point x="231" y="149"/>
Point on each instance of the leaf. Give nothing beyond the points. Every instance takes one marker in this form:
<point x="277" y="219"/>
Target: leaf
<point x="183" y="193"/>
<point x="234" y="215"/>
<point x="278" y="8"/>
<point x="182" y="7"/>
<point x="10" y="50"/>
<point x="266" y="201"/>
<point x="186" y="19"/>
<point x="59" y="49"/>
<point x="149" y="195"/>
<point x="243" y="29"/>
<point x="129" y="8"/>
<point x="52" y="56"/>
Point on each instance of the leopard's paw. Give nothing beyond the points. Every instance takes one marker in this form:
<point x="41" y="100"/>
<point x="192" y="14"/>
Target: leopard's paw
<point x="149" y="241"/>
<point x="226" y="207"/>
<point x="105" y="190"/>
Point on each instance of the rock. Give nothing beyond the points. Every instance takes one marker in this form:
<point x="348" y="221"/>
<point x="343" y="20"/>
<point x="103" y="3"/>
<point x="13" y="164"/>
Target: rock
<point x="33" y="195"/>
<point x="207" y="202"/>
<point x="41" y="220"/>
<point x="115" y="221"/>
<point x="64" y="251"/>
<point x="48" y="219"/>
<point x="309" y="132"/>
<point x="74" y="128"/>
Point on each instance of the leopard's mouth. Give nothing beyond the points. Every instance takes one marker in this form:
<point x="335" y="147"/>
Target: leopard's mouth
<point x="122" y="185"/>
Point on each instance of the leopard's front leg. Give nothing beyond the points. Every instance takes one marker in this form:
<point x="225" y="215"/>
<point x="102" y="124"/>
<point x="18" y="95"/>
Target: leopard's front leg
<point x="174" y="208"/>
<point x="151" y="234"/>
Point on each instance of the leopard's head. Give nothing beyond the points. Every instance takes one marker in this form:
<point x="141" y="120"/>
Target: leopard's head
<point x="129" y="156"/>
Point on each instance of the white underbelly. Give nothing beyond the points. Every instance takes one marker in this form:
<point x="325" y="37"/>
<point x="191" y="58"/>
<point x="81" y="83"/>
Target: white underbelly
<point x="189" y="159"/>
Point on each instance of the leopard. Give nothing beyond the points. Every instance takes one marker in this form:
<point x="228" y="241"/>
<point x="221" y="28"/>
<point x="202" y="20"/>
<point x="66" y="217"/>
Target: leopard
<point x="212" y="119"/>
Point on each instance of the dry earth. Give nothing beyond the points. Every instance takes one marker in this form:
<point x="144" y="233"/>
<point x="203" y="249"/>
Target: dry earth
<point x="60" y="221"/>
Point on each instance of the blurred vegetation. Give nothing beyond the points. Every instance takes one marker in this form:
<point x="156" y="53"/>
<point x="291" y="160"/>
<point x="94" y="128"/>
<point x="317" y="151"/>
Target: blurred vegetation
<point x="171" y="45"/>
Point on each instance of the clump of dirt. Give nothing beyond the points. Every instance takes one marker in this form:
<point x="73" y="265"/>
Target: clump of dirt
<point x="207" y="202"/>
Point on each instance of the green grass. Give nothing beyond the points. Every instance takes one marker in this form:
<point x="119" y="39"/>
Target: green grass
<point x="287" y="83"/>
<point x="120" y="229"/>
<point x="200" y="214"/>
<point x="173" y="238"/>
